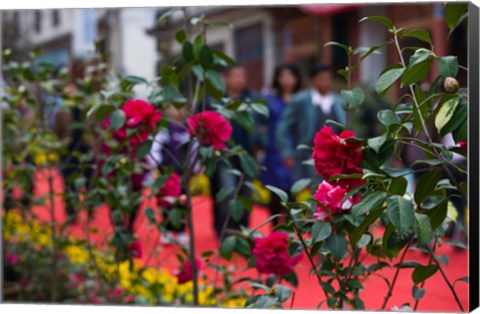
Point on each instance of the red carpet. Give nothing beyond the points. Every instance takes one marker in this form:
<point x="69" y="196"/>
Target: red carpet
<point x="437" y="298"/>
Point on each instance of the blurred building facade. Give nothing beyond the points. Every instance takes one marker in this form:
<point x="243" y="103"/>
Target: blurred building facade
<point x="65" y="36"/>
<point x="262" y="37"/>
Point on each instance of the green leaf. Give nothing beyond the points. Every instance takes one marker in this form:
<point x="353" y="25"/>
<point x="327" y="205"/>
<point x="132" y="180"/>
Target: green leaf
<point x="227" y="247"/>
<point x="379" y="19"/>
<point x="423" y="228"/>
<point x="398" y="186"/>
<point x="281" y="194"/>
<point x="364" y="240"/>
<point x="372" y="50"/>
<point x="237" y="209"/>
<point x="295" y="248"/>
<point x="117" y="119"/>
<point x="358" y="232"/>
<point x="420" y="55"/>
<point x="426" y="185"/>
<point x="422" y="273"/>
<point x="249" y="165"/>
<point x="144" y="149"/>
<point x="337" y="245"/>
<point x="242" y="247"/>
<point x="334" y="43"/>
<point x="386" y="80"/>
<point x="448" y="66"/>
<point x="216" y="80"/>
<point x="181" y="36"/>
<point x="454" y="14"/>
<point x="418" y="292"/>
<point x="421" y="34"/>
<point x="300" y="185"/>
<point x="458" y="118"/>
<point x="442" y="259"/>
<point x="376" y="143"/>
<point x="388" y="118"/>
<point x="461" y="134"/>
<point x="466" y="279"/>
<point x="369" y="203"/>
<point x="445" y="113"/>
<point x="456" y="243"/>
<point x="401" y="213"/>
<point x="416" y="73"/>
<point x="187" y="52"/>
<point x="282" y="292"/>
<point x="225" y="60"/>
<point x="320" y="231"/>
<point x="354" y="97"/>
<point x="175" y="217"/>
<point x="438" y="214"/>
<point x="223" y="193"/>
<point x="206" y="57"/>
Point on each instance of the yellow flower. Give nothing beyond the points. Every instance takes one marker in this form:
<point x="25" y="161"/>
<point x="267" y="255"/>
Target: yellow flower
<point x="200" y="184"/>
<point x="303" y="195"/>
<point x="77" y="255"/>
<point x="42" y="240"/>
<point x="151" y="275"/>
<point x="52" y="157"/>
<point x="40" y="158"/>
<point x="234" y="302"/>
<point x="264" y="195"/>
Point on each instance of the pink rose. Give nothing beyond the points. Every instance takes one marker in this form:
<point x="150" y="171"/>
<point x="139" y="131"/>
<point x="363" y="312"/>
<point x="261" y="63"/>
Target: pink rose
<point x="12" y="258"/>
<point x="332" y="155"/>
<point x="186" y="273"/>
<point x="210" y="128"/>
<point x="463" y="145"/>
<point x="138" y="114"/>
<point x="272" y="254"/>
<point x="331" y="196"/>
<point x="171" y="189"/>
<point x="136" y="249"/>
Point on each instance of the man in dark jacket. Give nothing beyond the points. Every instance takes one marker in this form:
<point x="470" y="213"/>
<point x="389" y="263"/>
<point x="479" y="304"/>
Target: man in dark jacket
<point x="236" y="89"/>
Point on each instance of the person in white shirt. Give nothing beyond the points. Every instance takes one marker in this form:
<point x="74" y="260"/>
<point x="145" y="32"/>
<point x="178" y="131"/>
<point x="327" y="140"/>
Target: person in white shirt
<point x="304" y="117"/>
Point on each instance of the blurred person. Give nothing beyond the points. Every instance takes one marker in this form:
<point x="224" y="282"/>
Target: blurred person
<point x="169" y="150"/>
<point x="235" y="79"/>
<point x="286" y="82"/>
<point x="26" y="173"/>
<point x="304" y="117"/>
<point x="70" y="126"/>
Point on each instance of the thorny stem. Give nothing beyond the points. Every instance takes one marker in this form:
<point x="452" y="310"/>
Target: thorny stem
<point x="54" y="237"/>
<point x="423" y="282"/>
<point x="390" y="290"/>
<point x="417" y="108"/>
<point x="446" y="280"/>
<point x="305" y="249"/>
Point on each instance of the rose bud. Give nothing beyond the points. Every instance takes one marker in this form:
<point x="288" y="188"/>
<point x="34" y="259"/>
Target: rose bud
<point x="451" y="85"/>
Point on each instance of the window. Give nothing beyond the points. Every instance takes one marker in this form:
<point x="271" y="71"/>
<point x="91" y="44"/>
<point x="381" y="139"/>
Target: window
<point x="38" y="21"/>
<point x="249" y="47"/>
<point x="55" y="17"/>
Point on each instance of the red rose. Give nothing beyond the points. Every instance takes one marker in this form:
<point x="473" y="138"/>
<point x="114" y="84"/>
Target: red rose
<point x="12" y="258"/>
<point x="463" y="145"/>
<point x="136" y="249"/>
<point x="332" y="155"/>
<point x="272" y="254"/>
<point x="186" y="273"/>
<point x="115" y="293"/>
<point x="210" y="128"/>
<point x="331" y="196"/>
<point x="138" y="114"/>
<point x="171" y="189"/>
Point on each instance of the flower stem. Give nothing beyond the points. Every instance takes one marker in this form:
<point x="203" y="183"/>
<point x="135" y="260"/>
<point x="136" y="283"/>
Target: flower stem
<point x="390" y="290"/>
